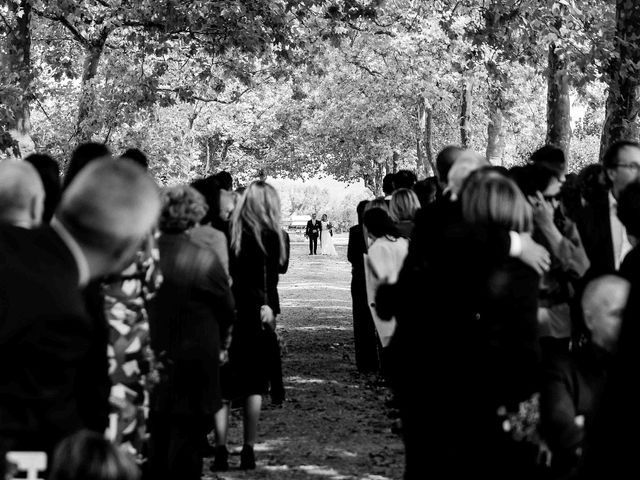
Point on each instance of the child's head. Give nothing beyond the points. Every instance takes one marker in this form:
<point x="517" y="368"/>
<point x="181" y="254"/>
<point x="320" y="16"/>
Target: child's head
<point x="88" y="456"/>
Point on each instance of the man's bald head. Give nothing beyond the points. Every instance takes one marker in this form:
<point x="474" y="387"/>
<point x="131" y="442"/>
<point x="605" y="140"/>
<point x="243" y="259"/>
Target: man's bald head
<point x="109" y="208"/>
<point x="603" y="303"/>
<point x="21" y="194"/>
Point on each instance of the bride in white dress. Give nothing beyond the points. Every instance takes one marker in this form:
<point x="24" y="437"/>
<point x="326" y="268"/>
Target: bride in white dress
<point x="326" y="238"/>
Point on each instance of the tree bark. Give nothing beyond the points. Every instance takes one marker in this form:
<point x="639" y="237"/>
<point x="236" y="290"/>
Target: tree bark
<point x="495" y="133"/>
<point x="425" y="136"/>
<point x="558" y="103"/>
<point x="623" y="101"/>
<point x="465" y="113"/>
<point x="18" y="139"/>
<point x="86" y="126"/>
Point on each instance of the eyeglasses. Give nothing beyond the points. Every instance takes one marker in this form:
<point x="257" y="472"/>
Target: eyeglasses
<point x="631" y="166"/>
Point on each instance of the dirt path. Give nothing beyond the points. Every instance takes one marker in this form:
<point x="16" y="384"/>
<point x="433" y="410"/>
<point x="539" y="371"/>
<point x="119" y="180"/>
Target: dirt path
<point x="334" y="424"/>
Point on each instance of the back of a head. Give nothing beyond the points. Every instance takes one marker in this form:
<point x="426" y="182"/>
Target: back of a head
<point x="360" y="210"/>
<point x="551" y="158"/>
<point x="379" y="202"/>
<point x="404" y="179"/>
<point x="426" y="190"/>
<point x="592" y="182"/>
<point x="629" y="209"/>
<point x="491" y="198"/>
<point x="21" y="191"/>
<point x="225" y="180"/>
<point x="444" y="161"/>
<point x="601" y="289"/>
<point x="49" y="172"/>
<point x="110" y="204"/>
<point x="137" y="156"/>
<point x="209" y="187"/>
<point x="84" y="154"/>
<point x="257" y="212"/>
<point x="89" y="456"/>
<point x="379" y="224"/>
<point x="532" y="178"/>
<point x="603" y="303"/>
<point x="183" y="207"/>
<point x="468" y="161"/>
<point x="404" y="205"/>
<point x="388" y="183"/>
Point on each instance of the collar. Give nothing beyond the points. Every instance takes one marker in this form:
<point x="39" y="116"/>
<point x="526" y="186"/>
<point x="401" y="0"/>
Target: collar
<point x="77" y="253"/>
<point x="613" y="203"/>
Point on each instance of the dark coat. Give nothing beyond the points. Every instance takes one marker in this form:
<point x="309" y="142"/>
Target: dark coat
<point x="630" y="268"/>
<point x="594" y="225"/>
<point x="189" y="318"/>
<point x="45" y="339"/>
<point x="313" y="229"/>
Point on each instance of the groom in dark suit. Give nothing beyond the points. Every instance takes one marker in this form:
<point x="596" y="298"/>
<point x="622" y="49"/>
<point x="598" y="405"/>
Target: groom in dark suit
<point x="314" y="227"/>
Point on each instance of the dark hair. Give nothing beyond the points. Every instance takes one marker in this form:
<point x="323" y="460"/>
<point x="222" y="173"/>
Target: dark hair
<point x="210" y="189"/>
<point x="225" y="180"/>
<point x="532" y="178"/>
<point x="404" y="179"/>
<point x="89" y="456"/>
<point x="444" y="160"/>
<point x="81" y="157"/>
<point x="49" y="172"/>
<point x="137" y="156"/>
<point x="426" y="190"/>
<point x="610" y="158"/>
<point x="379" y="223"/>
<point x="592" y="182"/>
<point x="388" y="183"/>
<point x="570" y="197"/>
<point x="629" y="208"/>
<point x="360" y="210"/>
<point x="551" y="158"/>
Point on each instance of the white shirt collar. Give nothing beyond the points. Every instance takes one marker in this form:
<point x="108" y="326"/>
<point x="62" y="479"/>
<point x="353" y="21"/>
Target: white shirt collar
<point x="613" y="203"/>
<point x="77" y="253"/>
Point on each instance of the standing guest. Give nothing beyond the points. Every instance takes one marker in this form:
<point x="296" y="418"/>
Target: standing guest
<point x="259" y="254"/>
<point x="49" y="172"/>
<point x="573" y="382"/>
<point x="84" y="154"/>
<point x="21" y="195"/>
<point x="313" y="230"/>
<point x="46" y="335"/>
<point x="404" y="206"/>
<point x="125" y="298"/>
<point x="603" y="234"/>
<point x="364" y="333"/>
<point x="629" y="215"/>
<point x="89" y="456"/>
<point x="388" y="185"/>
<point x="190" y="319"/>
<point x="404" y="179"/>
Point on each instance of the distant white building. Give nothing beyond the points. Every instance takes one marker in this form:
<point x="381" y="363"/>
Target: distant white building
<point x="296" y="222"/>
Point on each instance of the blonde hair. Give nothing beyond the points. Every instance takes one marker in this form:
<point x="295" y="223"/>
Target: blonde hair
<point x="404" y="205"/>
<point x="257" y="211"/>
<point x="489" y="197"/>
<point x="468" y="161"/>
<point x="182" y="208"/>
<point x="379" y="202"/>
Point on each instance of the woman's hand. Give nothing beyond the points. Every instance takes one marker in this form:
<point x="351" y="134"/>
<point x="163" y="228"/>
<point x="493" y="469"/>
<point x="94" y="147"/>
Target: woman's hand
<point x="543" y="211"/>
<point x="224" y="357"/>
<point x="267" y="316"/>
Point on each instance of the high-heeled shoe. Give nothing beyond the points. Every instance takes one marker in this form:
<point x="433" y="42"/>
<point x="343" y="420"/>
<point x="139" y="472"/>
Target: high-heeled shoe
<point x="221" y="460"/>
<point x="247" y="458"/>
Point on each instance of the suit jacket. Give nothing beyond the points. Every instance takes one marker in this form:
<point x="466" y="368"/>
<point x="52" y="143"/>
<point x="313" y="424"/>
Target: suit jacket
<point x="313" y="229"/>
<point x="594" y="226"/>
<point x="630" y="268"/>
<point x="45" y="338"/>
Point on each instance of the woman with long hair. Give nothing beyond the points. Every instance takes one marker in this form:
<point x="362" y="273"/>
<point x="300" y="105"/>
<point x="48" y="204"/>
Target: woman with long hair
<point x="259" y="253"/>
<point x="404" y="206"/>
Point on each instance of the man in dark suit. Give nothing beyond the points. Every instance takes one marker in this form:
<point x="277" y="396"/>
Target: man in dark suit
<point x="46" y="335"/>
<point x="629" y="215"/>
<point x="602" y="233"/>
<point x="314" y="227"/>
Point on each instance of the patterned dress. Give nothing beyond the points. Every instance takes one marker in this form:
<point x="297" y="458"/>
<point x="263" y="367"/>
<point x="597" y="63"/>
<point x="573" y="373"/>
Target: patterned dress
<point x="132" y="366"/>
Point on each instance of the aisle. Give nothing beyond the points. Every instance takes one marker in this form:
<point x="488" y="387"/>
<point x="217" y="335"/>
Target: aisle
<point x="333" y="424"/>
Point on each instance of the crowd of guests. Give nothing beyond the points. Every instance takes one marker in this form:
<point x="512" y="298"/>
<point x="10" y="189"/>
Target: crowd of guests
<point x="137" y="311"/>
<point x="501" y="308"/>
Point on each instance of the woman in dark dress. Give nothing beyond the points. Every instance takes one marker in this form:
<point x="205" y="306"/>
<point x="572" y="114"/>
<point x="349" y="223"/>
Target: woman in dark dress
<point x="189" y="319"/>
<point x="258" y="256"/>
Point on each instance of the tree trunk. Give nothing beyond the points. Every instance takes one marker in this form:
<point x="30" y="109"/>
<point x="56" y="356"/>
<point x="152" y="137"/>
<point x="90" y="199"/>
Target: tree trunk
<point x="86" y="126"/>
<point x="425" y="137"/>
<point x="465" y="113"/>
<point x="18" y="63"/>
<point x="623" y="102"/>
<point x="558" y="103"/>
<point x="495" y="134"/>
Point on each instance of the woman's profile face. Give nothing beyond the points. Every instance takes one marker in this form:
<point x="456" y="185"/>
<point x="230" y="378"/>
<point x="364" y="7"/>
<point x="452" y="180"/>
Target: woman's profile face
<point x="324" y="218"/>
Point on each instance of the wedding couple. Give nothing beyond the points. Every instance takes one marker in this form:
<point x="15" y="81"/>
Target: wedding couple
<point x="324" y="230"/>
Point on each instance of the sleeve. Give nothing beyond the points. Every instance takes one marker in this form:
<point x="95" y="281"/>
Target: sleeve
<point x="284" y="267"/>
<point x="571" y="252"/>
<point x="351" y="246"/>
<point x="222" y="298"/>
